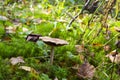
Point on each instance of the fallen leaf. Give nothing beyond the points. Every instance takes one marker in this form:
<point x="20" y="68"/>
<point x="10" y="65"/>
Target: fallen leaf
<point x="115" y="59"/>
<point x="29" y="69"/>
<point x="106" y="48"/>
<point x="24" y="29"/>
<point x="38" y="21"/>
<point x="82" y="58"/>
<point x="16" y="60"/>
<point x="3" y="18"/>
<point x="26" y="68"/>
<point x="112" y="53"/>
<point x="16" y="21"/>
<point x="114" y="56"/>
<point x="97" y="44"/>
<point x="86" y="70"/>
<point x="10" y="29"/>
<point x="76" y="66"/>
<point x="117" y="29"/>
<point x="79" y="48"/>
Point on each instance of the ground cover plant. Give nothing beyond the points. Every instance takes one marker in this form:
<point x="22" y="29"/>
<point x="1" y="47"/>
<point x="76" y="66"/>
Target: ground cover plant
<point x="29" y="29"/>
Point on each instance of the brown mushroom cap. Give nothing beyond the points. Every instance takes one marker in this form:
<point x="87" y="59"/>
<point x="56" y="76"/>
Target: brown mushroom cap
<point x="33" y="37"/>
<point x="53" y="41"/>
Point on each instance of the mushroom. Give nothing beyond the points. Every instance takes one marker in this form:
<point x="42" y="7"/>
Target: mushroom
<point x="53" y="42"/>
<point x="33" y="37"/>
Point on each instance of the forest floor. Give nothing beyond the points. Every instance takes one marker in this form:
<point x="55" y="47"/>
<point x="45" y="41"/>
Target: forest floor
<point x="90" y="50"/>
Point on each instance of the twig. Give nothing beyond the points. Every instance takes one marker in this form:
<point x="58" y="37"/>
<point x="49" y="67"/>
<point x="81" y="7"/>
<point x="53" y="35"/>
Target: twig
<point x="73" y="19"/>
<point x="70" y="16"/>
<point x="78" y="13"/>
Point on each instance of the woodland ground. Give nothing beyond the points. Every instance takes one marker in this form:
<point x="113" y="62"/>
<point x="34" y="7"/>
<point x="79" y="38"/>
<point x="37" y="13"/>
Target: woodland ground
<point x="92" y="52"/>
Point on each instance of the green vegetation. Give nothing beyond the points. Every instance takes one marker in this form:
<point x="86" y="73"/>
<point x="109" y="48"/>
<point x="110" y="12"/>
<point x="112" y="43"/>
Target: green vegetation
<point x="51" y="18"/>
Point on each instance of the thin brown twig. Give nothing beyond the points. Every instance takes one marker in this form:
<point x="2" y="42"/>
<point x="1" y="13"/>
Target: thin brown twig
<point x="70" y="23"/>
<point x="71" y="16"/>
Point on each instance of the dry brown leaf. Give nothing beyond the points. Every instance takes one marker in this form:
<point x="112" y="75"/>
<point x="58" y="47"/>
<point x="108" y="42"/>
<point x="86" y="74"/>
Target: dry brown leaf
<point x="38" y="21"/>
<point x="25" y="29"/>
<point x="26" y="68"/>
<point x="113" y="53"/>
<point x="76" y="66"/>
<point x="3" y="18"/>
<point x="16" y="60"/>
<point x="115" y="59"/>
<point x="86" y="70"/>
<point x="114" y="56"/>
<point x="10" y="29"/>
<point x="29" y="69"/>
<point x="82" y="58"/>
<point x="79" y="48"/>
<point x="106" y="48"/>
<point x="117" y="29"/>
<point x="16" y="21"/>
<point x="97" y="44"/>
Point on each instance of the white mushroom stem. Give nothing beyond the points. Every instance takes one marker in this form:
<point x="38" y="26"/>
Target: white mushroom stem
<point x="53" y="42"/>
<point x="52" y="55"/>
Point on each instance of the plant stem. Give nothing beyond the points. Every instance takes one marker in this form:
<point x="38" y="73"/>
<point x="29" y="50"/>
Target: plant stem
<point x="52" y="55"/>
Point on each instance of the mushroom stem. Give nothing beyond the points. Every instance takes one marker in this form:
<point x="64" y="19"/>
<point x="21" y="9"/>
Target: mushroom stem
<point x="52" y="55"/>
